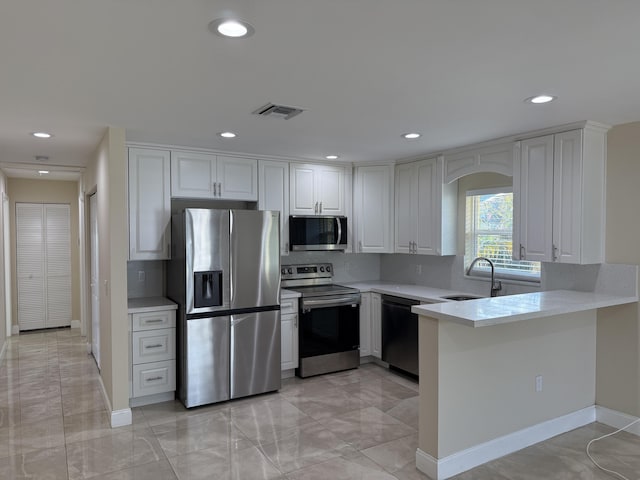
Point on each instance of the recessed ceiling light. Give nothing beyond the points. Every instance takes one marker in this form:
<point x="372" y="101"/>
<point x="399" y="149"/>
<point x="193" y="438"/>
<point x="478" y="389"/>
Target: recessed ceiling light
<point x="410" y="136"/>
<point x="231" y="28"/>
<point x="227" y="135"/>
<point x="42" y="134"/>
<point x="43" y="172"/>
<point x="331" y="157"/>
<point x="541" y="99"/>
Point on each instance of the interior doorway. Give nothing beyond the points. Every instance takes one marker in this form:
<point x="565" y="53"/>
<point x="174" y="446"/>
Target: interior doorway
<point x="7" y="263"/>
<point x="94" y="278"/>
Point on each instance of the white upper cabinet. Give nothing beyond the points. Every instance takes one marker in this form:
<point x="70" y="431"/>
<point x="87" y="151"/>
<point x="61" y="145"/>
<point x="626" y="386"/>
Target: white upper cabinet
<point x="492" y="158"/>
<point x="373" y="209"/>
<point x="425" y="209"/>
<point x="149" y="204"/>
<point x="204" y="175"/>
<point x="273" y="194"/>
<point x="317" y="190"/>
<point x="559" y="194"/>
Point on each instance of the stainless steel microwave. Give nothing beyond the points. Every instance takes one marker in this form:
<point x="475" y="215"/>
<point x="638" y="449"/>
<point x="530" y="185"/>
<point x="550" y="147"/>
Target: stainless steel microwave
<point x="317" y="232"/>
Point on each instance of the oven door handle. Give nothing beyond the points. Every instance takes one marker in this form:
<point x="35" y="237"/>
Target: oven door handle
<point x="308" y="305"/>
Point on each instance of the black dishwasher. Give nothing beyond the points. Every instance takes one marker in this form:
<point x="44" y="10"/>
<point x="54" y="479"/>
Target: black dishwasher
<point x="400" y="333"/>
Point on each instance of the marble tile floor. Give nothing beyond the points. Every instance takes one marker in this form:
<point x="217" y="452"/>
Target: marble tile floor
<point x="359" y="424"/>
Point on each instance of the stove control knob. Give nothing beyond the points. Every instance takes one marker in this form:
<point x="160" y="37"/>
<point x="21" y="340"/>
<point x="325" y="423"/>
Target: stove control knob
<point x="328" y="268"/>
<point x="283" y="271"/>
<point x="289" y="271"/>
<point x="322" y="269"/>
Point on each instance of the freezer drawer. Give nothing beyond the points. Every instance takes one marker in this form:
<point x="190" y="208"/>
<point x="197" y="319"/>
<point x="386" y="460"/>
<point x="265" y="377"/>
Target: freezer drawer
<point x="255" y="353"/>
<point x="204" y="368"/>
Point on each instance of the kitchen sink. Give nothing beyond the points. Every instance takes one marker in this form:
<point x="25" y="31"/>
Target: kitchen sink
<point x="460" y="298"/>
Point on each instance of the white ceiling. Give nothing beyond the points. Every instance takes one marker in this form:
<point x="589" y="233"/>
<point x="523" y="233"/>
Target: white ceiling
<point x="366" y="71"/>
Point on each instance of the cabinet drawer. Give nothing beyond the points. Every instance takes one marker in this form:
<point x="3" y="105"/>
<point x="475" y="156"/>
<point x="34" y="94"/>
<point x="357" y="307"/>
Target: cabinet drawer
<point x="154" y="345"/>
<point x="152" y="320"/>
<point x="152" y="378"/>
<point x="289" y="305"/>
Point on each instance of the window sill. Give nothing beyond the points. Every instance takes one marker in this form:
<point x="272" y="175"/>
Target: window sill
<point x="507" y="280"/>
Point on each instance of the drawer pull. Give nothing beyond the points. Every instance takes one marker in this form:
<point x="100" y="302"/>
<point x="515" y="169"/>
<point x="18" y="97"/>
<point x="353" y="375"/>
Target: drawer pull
<point x="154" y="379"/>
<point x="159" y="345"/>
<point x="156" y="320"/>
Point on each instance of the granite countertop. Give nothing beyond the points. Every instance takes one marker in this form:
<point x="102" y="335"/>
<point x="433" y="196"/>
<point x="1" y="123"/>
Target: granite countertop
<point x="150" y="304"/>
<point x="484" y="312"/>
<point x="414" y="292"/>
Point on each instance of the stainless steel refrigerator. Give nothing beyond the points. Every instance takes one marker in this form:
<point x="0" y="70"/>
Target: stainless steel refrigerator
<point x="225" y="276"/>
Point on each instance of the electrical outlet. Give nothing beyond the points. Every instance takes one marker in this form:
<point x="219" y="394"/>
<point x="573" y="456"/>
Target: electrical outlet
<point x="141" y="275"/>
<point x="418" y="269"/>
<point x="538" y="383"/>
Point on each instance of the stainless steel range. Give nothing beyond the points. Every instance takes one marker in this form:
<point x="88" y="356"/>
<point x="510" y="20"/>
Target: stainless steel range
<point x="329" y="319"/>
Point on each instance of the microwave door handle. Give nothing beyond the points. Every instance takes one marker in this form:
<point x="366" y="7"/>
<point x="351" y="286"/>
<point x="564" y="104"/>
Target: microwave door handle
<point x="339" y="231"/>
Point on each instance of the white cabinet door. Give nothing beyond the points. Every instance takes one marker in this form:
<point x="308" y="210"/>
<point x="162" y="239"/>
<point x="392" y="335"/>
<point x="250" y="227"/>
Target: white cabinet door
<point x="330" y="190"/>
<point x="289" y="339"/>
<point x="237" y="178"/>
<point x="303" y="194"/>
<point x="374" y="209"/>
<point x="567" y="197"/>
<point x="376" y="325"/>
<point x="273" y="194"/>
<point x="149" y="204"/>
<point x="193" y="175"/>
<point x="405" y="225"/>
<point x="317" y="190"/>
<point x="365" y="324"/>
<point x="534" y="178"/>
<point x="427" y="217"/>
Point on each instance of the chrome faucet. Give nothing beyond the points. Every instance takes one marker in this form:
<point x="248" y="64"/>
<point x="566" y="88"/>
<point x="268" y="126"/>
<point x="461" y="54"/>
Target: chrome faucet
<point x="495" y="286"/>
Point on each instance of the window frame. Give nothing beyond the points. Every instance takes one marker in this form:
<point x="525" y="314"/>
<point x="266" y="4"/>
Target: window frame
<point x="482" y="270"/>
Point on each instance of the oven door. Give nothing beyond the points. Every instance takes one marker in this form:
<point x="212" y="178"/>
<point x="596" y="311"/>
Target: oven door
<point x="329" y="335"/>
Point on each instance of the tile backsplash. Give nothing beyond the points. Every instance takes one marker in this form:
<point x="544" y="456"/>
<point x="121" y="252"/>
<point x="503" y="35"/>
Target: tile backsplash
<point x="145" y="279"/>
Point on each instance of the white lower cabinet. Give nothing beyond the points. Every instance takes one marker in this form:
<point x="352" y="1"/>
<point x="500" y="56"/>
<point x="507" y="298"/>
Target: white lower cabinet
<point x="365" y="324"/>
<point x="153" y="356"/>
<point x="289" y="333"/>
<point x="376" y="325"/>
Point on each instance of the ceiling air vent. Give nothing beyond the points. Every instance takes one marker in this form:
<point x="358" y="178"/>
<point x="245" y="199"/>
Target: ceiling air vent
<point x="278" y="111"/>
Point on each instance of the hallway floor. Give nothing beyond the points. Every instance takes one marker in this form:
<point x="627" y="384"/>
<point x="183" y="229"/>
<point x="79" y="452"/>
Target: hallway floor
<point x="359" y="424"/>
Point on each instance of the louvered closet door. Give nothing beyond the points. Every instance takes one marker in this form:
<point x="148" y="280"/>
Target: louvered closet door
<point x="43" y="251"/>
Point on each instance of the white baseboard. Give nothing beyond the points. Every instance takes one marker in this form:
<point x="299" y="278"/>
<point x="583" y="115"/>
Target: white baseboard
<point x="118" y="418"/>
<point x="617" y="419"/>
<point x="75" y="324"/>
<point x="459" y="462"/>
<point x="15" y="330"/>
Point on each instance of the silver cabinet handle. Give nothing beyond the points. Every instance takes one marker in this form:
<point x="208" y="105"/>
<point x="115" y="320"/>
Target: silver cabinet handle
<point x="315" y="208"/>
<point x="214" y="189"/>
<point x="155" y="320"/>
<point x="153" y="379"/>
<point x="522" y="255"/>
<point x="320" y="207"/>
<point x="554" y="254"/>
<point x="219" y="189"/>
<point x="158" y="345"/>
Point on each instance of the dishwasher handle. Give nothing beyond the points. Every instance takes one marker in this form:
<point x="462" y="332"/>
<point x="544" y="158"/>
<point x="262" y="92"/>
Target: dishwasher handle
<point x="408" y="302"/>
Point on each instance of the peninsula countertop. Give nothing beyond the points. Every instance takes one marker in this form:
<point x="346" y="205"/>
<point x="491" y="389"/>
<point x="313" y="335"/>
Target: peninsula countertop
<point x="483" y="312"/>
